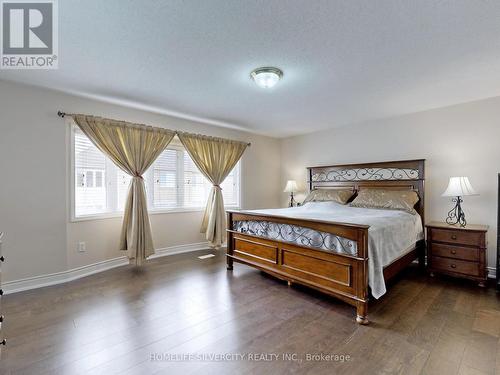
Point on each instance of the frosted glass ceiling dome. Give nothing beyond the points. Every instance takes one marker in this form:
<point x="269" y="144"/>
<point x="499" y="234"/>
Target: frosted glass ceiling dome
<point x="266" y="77"/>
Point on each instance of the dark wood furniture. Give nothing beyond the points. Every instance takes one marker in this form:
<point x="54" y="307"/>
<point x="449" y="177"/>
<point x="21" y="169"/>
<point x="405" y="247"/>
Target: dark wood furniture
<point x="457" y="251"/>
<point x="341" y="275"/>
<point x="3" y="341"/>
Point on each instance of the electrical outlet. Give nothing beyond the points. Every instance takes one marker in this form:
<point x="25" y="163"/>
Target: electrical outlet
<point x="82" y="247"/>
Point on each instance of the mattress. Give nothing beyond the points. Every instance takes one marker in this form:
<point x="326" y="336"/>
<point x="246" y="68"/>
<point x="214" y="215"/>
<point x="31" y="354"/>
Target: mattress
<point x="391" y="235"/>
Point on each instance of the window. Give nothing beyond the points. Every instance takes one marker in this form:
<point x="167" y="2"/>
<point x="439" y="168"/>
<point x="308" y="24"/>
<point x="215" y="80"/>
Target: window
<point x="173" y="182"/>
<point x="89" y="198"/>
<point x="164" y="184"/>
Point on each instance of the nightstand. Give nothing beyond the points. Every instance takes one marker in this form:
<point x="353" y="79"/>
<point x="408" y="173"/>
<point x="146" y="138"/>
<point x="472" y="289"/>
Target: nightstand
<point x="457" y="251"/>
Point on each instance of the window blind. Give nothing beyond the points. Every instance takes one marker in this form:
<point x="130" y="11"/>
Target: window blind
<point x="172" y="182"/>
<point x="90" y="172"/>
<point x="122" y="186"/>
<point x="165" y="187"/>
<point x="196" y="186"/>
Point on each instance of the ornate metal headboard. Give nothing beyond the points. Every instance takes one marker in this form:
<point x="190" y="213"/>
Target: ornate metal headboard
<point x="405" y="174"/>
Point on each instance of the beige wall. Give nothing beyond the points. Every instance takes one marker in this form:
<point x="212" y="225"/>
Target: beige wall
<point x="34" y="191"/>
<point x="462" y="140"/>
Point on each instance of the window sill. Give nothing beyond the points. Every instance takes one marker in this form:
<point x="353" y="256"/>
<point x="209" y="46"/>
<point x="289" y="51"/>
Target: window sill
<point x="151" y="212"/>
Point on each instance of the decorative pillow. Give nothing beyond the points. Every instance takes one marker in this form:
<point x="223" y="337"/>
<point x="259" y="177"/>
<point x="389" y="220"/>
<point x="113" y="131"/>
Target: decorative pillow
<point x="336" y="195"/>
<point x="404" y="200"/>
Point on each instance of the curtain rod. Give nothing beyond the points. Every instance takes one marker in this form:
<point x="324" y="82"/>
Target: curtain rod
<point x="62" y="114"/>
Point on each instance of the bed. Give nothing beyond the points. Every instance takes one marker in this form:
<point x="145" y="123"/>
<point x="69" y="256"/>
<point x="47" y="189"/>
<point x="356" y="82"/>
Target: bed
<point x="347" y="252"/>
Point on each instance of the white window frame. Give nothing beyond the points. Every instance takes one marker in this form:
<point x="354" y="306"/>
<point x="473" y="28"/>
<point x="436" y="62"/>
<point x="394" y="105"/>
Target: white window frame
<point x="152" y="211"/>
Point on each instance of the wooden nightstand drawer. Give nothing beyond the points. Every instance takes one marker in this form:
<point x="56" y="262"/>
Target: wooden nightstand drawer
<point x="456" y="236"/>
<point x="455" y="252"/>
<point x="455" y="265"/>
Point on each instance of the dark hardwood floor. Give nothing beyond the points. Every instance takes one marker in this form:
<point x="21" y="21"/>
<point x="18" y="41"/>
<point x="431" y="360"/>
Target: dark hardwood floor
<point x="114" y="322"/>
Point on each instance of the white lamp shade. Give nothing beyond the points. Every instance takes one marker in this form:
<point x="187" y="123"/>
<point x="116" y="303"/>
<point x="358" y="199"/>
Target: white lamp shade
<point x="459" y="187"/>
<point x="291" y="186"/>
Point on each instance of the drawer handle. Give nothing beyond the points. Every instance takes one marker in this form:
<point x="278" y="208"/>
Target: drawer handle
<point x="453" y="236"/>
<point x="1" y="292"/>
<point x="453" y="266"/>
<point x="453" y="251"/>
<point x="2" y="318"/>
<point x="2" y="259"/>
<point x="3" y="342"/>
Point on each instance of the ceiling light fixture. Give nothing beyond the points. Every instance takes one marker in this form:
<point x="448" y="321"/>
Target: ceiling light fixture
<point x="266" y="77"/>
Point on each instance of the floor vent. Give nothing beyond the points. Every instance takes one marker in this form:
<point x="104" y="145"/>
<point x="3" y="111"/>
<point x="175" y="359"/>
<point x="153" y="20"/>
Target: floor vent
<point x="206" y="256"/>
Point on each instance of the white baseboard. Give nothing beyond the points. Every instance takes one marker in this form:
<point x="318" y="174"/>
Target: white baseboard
<point x="61" y="277"/>
<point x="179" y="249"/>
<point x="492" y="272"/>
<point x="35" y="282"/>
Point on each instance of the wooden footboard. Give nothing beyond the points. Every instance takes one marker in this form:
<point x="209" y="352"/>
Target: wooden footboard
<point x="341" y="275"/>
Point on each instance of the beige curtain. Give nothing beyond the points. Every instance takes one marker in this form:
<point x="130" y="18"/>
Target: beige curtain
<point x="215" y="158"/>
<point x="133" y="148"/>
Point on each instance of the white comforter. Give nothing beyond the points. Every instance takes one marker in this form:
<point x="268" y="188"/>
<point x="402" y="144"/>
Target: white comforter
<point x="391" y="234"/>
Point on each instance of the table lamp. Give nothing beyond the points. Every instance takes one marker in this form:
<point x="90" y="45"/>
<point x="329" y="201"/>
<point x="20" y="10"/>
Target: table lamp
<point x="457" y="188"/>
<point x="291" y="187"/>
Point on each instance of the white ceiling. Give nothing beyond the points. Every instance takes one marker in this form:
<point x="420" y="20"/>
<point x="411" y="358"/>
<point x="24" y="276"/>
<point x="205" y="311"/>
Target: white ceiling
<point x="343" y="61"/>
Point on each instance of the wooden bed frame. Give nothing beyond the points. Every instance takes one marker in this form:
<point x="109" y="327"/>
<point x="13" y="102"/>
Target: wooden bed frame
<point x="341" y="275"/>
